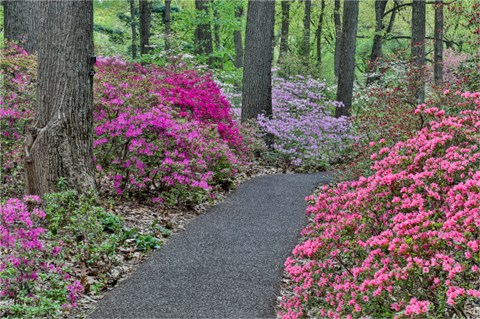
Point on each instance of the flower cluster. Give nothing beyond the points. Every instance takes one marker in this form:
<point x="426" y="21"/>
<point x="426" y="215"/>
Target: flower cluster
<point x="403" y="242"/>
<point x="305" y="132"/>
<point x="28" y="268"/>
<point x="159" y="130"/>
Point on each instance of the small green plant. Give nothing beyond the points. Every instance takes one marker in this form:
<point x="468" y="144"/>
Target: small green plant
<point x="147" y="242"/>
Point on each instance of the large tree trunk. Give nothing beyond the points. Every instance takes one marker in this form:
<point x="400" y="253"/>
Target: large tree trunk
<point x="133" y="16"/>
<point x="257" y="69"/>
<point x="318" y="34"/>
<point x="203" y="33"/>
<point x="21" y="23"/>
<point x="168" y="19"/>
<point x="237" y="37"/>
<point x="338" y="36"/>
<point x="145" y="17"/>
<point x="284" y="30"/>
<point x="59" y="144"/>
<point x="346" y="72"/>
<point x="418" y="47"/>
<point x="438" y="43"/>
<point x="376" y="54"/>
<point x="305" y="52"/>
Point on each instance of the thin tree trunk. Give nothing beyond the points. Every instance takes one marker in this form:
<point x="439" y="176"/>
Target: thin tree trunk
<point x="21" y="23"/>
<point x="59" y="144"/>
<point x="318" y="34"/>
<point x="145" y="17"/>
<point x="438" y="43"/>
<point x="418" y="47"/>
<point x="168" y="19"/>
<point x="347" y="57"/>
<point x="284" y="30"/>
<point x="203" y="34"/>
<point x="376" y="54"/>
<point x="257" y="69"/>
<point x="338" y="35"/>
<point x="305" y="52"/>
<point x="134" y="29"/>
<point x="216" y="33"/>
<point x="237" y="37"/>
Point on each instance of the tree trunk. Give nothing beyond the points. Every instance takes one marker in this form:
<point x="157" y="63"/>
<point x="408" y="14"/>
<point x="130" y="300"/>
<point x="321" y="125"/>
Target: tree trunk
<point x="305" y="52"/>
<point x="216" y="33"/>
<point x="168" y="20"/>
<point x="257" y="69"/>
<point x="21" y="23"/>
<point x="438" y="43"/>
<point x="418" y="47"/>
<point x="318" y="34"/>
<point x="203" y="34"/>
<point x="338" y="35"/>
<point x="145" y="17"/>
<point x="284" y="30"/>
<point x="237" y="37"/>
<point x="133" y="16"/>
<point x="376" y="54"/>
<point x="59" y="144"/>
<point x="346" y="69"/>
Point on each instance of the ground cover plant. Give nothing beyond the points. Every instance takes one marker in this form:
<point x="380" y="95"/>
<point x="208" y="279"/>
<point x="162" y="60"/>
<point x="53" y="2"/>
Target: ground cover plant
<point x="403" y="242"/>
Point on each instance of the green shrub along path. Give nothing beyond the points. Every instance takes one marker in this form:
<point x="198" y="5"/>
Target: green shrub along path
<point x="228" y="263"/>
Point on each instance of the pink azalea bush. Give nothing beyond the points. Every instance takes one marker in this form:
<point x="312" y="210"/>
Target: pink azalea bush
<point x="403" y="242"/>
<point x="163" y="131"/>
<point x="33" y="282"/>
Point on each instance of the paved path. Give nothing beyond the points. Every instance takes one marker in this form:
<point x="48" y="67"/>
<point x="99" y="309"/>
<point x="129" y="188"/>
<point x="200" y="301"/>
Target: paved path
<point x="228" y="263"/>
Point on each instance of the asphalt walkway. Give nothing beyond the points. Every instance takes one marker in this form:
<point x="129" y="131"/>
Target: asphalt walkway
<point x="228" y="263"/>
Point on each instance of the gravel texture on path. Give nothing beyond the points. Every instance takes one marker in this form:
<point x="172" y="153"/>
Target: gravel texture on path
<point x="228" y="263"/>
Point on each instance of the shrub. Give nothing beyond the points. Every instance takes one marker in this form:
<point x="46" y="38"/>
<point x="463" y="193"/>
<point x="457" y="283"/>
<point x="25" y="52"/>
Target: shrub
<point x="403" y="242"/>
<point x="33" y="280"/>
<point x="306" y="135"/>
<point x="164" y="132"/>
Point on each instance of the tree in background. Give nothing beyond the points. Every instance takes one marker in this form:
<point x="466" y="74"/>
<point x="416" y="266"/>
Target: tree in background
<point x="237" y="36"/>
<point x="338" y="35"/>
<point x="376" y="55"/>
<point x="21" y="23"/>
<point x="305" y="47"/>
<point x="418" y="46"/>
<point x="203" y="34"/>
<point x="133" y="23"/>
<point x="346" y="69"/>
<point x="319" y="33"/>
<point x="59" y="143"/>
<point x="168" y="20"/>
<point x="257" y="69"/>
<point x="145" y="18"/>
<point x="438" y="43"/>
<point x="284" y="30"/>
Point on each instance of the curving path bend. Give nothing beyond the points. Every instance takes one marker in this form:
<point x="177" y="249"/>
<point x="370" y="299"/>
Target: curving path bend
<point x="228" y="263"/>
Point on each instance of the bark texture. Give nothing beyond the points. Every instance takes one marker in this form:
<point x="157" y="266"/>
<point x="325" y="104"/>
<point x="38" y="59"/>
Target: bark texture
<point x="284" y="30"/>
<point x="133" y="16"/>
<point x="145" y="18"/>
<point x="346" y="72"/>
<point x="168" y="20"/>
<point x="203" y="33"/>
<point x="257" y="69"/>
<point x="318" y="34"/>
<point x="338" y="35"/>
<point x="237" y="37"/>
<point x="305" y="52"/>
<point x="21" y="23"/>
<point x="59" y="142"/>
<point x="418" y="46"/>
<point x="438" y="43"/>
<point x="376" y="53"/>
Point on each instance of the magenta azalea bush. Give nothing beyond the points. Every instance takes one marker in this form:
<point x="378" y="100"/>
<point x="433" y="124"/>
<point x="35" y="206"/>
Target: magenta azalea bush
<point x="306" y="134"/>
<point x="403" y="242"/>
<point x="163" y="132"/>
<point x="33" y="282"/>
